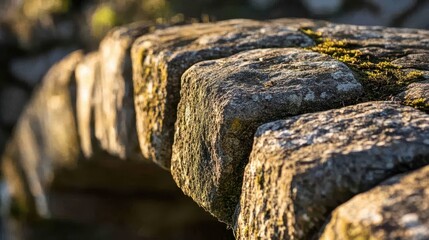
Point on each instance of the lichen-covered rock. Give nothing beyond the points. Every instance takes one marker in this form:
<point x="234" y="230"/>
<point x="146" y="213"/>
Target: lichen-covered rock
<point x="396" y="209"/>
<point x="377" y="36"/>
<point x="385" y="59"/>
<point x="159" y="60"/>
<point x="303" y="167"/>
<point x="224" y="101"/>
<point x="418" y="60"/>
<point x="114" y="113"/>
<point x="417" y="95"/>
<point x="45" y="139"/>
<point x="87" y="72"/>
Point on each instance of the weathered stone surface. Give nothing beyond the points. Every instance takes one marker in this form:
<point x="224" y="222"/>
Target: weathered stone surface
<point x="417" y="95"/>
<point x="87" y="71"/>
<point x="376" y="36"/>
<point x="45" y="138"/>
<point x="418" y="60"/>
<point x="396" y="209"/>
<point x="385" y="59"/>
<point x="224" y="101"/>
<point x="159" y="60"/>
<point x="303" y="167"/>
<point x="114" y="114"/>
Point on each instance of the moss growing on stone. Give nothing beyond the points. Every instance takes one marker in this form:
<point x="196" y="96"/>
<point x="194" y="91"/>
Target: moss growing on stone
<point x="380" y="77"/>
<point x="419" y="103"/>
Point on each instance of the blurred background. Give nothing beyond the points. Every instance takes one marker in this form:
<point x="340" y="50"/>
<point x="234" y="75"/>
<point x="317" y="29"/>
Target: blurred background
<point x="34" y="34"/>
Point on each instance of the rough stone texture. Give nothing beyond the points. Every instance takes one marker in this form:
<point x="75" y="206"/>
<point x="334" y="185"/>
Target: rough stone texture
<point x="376" y="36"/>
<point x="303" y="167"/>
<point x="224" y="101"/>
<point x="405" y="48"/>
<point x="417" y="95"/>
<point x="159" y="60"/>
<point x="45" y="138"/>
<point x="396" y="209"/>
<point x="87" y="72"/>
<point x="418" y="60"/>
<point x="114" y="114"/>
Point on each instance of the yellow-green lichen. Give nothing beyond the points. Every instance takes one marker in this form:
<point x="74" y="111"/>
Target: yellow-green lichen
<point x="380" y="77"/>
<point x="419" y="103"/>
<point x="103" y="19"/>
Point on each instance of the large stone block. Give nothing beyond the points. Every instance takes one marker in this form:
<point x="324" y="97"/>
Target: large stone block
<point x="159" y="60"/>
<point x="87" y="72"/>
<point x="396" y="209"/>
<point x="303" y="167"/>
<point x="224" y="101"/>
<point x="377" y="36"/>
<point x="417" y="95"/>
<point x="115" y="126"/>
<point x="45" y="138"/>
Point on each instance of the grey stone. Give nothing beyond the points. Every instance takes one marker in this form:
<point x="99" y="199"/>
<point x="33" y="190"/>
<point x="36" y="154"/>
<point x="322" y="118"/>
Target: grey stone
<point x="45" y="138"/>
<point x="414" y="60"/>
<point x="417" y="95"/>
<point x="396" y="209"/>
<point x="303" y="167"/>
<point x="31" y="69"/>
<point x="114" y="113"/>
<point x="12" y="102"/>
<point x="87" y="71"/>
<point x="377" y="36"/>
<point x="161" y="58"/>
<point x="224" y="101"/>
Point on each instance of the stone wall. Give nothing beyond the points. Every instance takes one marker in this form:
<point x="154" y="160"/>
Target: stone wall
<point x="281" y="129"/>
<point x="34" y="34"/>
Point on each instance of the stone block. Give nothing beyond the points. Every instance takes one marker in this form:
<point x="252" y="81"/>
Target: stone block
<point x="224" y="101"/>
<point x="160" y="59"/>
<point x="302" y="168"/>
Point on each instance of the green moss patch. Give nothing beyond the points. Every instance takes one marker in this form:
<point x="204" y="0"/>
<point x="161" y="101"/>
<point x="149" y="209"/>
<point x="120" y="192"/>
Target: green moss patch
<point x="419" y="103"/>
<point x="380" y="78"/>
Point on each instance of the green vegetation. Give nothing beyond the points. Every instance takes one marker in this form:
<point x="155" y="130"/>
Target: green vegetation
<point x="103" y="18"/>
<point x="380" y="78"/>
<point x="419" y="103"/>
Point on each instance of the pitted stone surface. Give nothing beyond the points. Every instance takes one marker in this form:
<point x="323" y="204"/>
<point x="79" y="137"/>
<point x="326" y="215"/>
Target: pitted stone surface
<point x="224" y="101"/>
<point x="406" y="48"/>
<point x="159" y="60"/>
<point x="45" y="138"/>
<point x="87" y="71"/>
<point x="376" y="36"/>
<point x="114" y="113"/>
<point x="396" y="209"/>
<point x="303" y="167"/>
<point x="417" y="95"/>
<point x="419" y="60"/>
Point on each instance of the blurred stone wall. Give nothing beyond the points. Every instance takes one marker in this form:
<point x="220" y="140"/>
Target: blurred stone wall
<point x="34" y="34"/>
